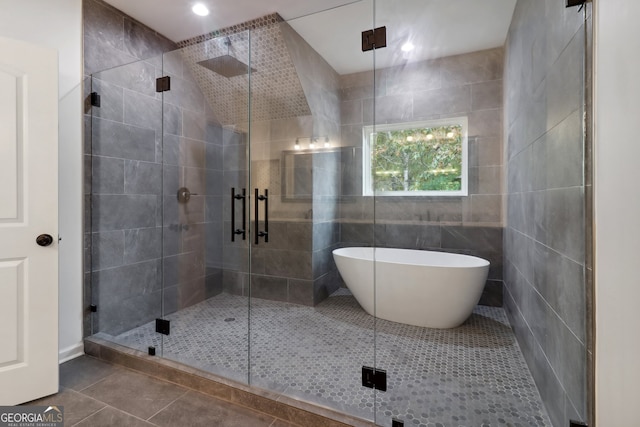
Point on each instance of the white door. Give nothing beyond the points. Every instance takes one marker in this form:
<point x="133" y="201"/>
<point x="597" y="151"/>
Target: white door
<point x="28" y="208"/>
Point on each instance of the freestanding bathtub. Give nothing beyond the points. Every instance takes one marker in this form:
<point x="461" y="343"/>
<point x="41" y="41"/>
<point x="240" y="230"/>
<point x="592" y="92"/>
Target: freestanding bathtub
<point x="421" y="288"/>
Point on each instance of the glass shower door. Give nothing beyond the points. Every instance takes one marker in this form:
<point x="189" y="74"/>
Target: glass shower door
<point x="205" y="205"/>
<point x="309" y="336"/>
<point x="123" y="248"/>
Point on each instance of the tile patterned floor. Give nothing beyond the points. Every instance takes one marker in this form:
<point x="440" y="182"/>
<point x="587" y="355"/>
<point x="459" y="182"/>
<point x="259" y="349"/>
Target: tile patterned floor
<point x="471" y="376"/>
<point x="97" y="394"/>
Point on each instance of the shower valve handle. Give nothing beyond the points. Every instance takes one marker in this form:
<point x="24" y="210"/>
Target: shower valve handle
<point x="184" y="195"/>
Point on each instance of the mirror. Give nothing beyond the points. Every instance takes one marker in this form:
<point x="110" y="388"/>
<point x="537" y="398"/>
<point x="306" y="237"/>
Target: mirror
<point x="316" y="173"/>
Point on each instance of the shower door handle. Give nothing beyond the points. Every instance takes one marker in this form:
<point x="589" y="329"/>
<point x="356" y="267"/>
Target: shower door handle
<point x="242" y="230"/>
<point x="266" y="215"/>
<point x="257" y="199"/>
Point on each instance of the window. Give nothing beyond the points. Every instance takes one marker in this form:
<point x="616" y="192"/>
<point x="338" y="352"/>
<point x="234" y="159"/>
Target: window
<point x="416" y="159"/>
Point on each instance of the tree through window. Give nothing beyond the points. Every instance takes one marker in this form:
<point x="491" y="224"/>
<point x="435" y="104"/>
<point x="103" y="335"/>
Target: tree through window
<point x="427" y="158"/>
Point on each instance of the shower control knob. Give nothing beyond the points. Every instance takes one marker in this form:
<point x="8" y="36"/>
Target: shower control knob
<point x="184" y="195"/>
<point x="44" y="240"/>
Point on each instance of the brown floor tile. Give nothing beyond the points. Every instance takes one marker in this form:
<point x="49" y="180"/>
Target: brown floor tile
<point x="135" y="393"/>
<point x="76" y="406"/>
<point x="196" y="409"/>
<point x="84" y="371"/>
<point x="110" y="417"/>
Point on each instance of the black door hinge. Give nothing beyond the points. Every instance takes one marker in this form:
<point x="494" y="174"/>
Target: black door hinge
<point x="573" y="423"/>
<point x="374" y="378"/>
<point x="163" y="326"/>
<point x="95" y="99"/>
<point x="374" y="39"/>
<point x="93" y="308"/>
<point x="163" y="84"/>
<point x="571" y="3"/>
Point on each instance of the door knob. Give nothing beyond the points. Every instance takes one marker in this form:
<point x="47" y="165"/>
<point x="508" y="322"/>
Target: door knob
<point x="44" y="240"/>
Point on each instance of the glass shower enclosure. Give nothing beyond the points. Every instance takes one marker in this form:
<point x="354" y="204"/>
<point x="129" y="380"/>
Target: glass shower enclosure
<point x="218" y="171"/>
<point x="226" y="172"/>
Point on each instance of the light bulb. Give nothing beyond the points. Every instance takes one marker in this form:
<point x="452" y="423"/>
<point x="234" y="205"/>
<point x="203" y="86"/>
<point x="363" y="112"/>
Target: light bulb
<point x="200" y="9"/>
<point x="407" y="47"/>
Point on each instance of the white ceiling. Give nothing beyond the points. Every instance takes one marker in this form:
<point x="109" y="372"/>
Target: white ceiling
<point x="174" y="19"/>
<point x="436" y="27"/>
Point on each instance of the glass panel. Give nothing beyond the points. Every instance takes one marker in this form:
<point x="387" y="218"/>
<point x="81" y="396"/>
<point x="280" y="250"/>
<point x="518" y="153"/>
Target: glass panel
<point x="218" y="206"/>
<point x="309" y="336"/>
<point x="462" y="343"/>
<point x="204" y="157"/>
<point x="125" y="166"/>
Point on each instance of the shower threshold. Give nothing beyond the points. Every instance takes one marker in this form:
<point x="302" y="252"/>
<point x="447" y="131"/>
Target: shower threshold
<point x="309" y="359"/>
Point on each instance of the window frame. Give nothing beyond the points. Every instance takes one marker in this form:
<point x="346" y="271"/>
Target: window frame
<point x="367" y="173"/>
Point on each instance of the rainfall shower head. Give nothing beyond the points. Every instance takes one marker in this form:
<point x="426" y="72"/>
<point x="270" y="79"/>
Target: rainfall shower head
<point x="226" y="65"/>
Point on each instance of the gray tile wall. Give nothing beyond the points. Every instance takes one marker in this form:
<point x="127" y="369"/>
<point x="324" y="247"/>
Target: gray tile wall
<point x="133" y="144"/>
<point x="112" y="38"/>
<point x="546" y="230"/>
<point x="125" y="237"/>
<point x="464" y="85"/>
<point x="122" y="205"/>
<point x="296" y="265"/>
<point x="193" y="151"/>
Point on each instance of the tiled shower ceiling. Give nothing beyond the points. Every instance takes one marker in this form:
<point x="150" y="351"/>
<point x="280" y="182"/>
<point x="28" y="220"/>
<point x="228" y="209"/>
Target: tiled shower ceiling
<point x="276" y="91"/>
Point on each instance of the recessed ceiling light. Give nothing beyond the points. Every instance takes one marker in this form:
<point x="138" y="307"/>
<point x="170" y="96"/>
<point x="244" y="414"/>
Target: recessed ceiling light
<point x="407" y="47"/>
<point x="200" y="9"/>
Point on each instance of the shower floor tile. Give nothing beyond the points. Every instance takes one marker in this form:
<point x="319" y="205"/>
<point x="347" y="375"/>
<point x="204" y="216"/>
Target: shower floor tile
<point x="471" y="376"/>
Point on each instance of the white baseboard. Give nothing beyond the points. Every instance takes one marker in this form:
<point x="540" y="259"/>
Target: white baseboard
<point x="72" y="352"/>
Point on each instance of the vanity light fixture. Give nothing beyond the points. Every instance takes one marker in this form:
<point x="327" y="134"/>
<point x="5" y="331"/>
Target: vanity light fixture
<point x="314" y="142"/>
<point x="200" y="9"/>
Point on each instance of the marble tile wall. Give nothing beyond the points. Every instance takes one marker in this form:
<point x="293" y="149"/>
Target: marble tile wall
<point x="546" y="259"/>
<point x="468" y="85"/>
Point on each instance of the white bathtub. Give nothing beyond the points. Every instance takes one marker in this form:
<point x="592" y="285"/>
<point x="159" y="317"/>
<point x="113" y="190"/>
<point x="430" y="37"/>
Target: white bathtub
<point x="421" y="288"/>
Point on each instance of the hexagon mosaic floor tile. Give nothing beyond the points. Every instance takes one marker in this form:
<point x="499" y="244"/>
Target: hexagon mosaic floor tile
<point x="471" y="376"/>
